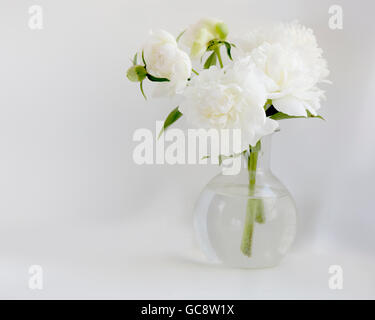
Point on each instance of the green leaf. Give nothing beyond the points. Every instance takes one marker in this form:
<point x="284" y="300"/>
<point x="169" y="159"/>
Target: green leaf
<point x="135" y="59"/>
<point x="211" y="61"/>
<point x="310" y="115"/>
<point x="235" y="155"/>
<point x="282" y="116"/>
<point x="256" y="148"/>
<point x="156" y="79"/>
<point x="173" y="116"/>
<point x="141" y="87"/>
<point x="180" y="35"/>
<point x="223" y="157"/>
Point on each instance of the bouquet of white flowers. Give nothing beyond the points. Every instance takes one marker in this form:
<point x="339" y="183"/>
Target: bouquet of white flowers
<point x="271" y="74"/>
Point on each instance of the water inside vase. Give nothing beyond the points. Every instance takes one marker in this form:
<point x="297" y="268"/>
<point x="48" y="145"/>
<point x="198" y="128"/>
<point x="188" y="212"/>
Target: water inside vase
<point x="219" y="222"/>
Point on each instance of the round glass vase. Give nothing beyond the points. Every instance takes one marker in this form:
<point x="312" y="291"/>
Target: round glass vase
<point x="246" y="220"/>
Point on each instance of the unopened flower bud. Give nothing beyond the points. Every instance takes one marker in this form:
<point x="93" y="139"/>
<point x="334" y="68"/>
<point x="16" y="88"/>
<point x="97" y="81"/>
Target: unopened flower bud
<point x="197" y="36"/>
<point x="221" y="30"/>
<point x="136" y="73"/>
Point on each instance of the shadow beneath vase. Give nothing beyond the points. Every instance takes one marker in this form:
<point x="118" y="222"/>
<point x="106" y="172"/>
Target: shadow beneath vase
<point x="194" y="260"/>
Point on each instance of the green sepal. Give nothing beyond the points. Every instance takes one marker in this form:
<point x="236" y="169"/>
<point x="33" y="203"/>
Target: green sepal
<point x="211" y="61"/>
<point x="143" y="58"/>
<point x="228" y="46"/>
<point x="215" y="44"/>
<point x="135" y="59"/>
<point x="180" y="35"/>
<point x="212" y="45"/>
<point x="141" y="87"/>
<point x="156" y="79"/>
<point x="136" y="73"/>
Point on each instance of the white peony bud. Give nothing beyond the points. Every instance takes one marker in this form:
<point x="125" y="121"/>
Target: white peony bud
<point x="165" y="60"/>
<point x="197" y="36"/>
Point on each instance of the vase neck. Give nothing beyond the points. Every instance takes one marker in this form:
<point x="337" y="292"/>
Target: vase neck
<point x="263" y="157"/>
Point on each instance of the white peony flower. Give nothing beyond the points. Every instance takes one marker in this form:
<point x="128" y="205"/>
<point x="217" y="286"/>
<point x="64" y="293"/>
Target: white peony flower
<point x="165" y="60"/>
<point x="289" y="55"/>
<point x="197" y="36"/>
<point x="230" y="98"/>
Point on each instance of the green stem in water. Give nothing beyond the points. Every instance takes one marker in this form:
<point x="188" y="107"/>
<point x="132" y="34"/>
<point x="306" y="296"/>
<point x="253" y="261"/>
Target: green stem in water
<point x="217" y="51"/>
<point x="254" y="208"/>
<point x="247" y="235"/>
<point x="259" y="217"/>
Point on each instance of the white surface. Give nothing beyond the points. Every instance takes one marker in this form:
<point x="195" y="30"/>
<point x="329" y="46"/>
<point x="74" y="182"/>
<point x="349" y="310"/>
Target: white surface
<point x="140" y="261"/>
<point x="73" y="201"/>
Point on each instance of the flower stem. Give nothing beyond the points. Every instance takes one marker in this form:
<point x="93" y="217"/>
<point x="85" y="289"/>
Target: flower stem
<point x="217" y="50"/>
<point x="247" y="235"/>
<point x="260" y="218"/>
<point x="254" y="208"/>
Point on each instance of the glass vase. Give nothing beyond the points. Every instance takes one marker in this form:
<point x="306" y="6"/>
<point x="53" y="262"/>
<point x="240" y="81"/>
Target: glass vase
<point x="246" y="220"/>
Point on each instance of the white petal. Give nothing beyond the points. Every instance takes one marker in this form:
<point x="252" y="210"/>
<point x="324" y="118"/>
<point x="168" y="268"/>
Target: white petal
<point x="290" y="106"/>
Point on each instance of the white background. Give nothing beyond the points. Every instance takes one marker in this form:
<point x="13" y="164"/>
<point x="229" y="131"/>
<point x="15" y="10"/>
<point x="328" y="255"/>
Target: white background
<point x="73" y="201"/>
